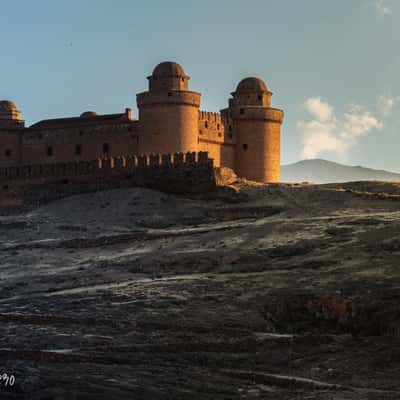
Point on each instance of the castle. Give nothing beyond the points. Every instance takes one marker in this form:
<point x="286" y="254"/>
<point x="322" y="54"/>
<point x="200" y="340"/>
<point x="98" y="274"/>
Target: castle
<point x="245" y="136"/>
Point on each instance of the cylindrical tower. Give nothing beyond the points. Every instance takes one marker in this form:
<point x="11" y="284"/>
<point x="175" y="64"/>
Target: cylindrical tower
<point x="257" y="128"/>
<point x="168" y="112"/>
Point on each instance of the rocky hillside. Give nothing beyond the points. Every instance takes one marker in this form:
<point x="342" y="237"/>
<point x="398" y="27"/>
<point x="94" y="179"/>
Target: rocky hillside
<point x="257" y="292"/>
<point x="322" y="171"/>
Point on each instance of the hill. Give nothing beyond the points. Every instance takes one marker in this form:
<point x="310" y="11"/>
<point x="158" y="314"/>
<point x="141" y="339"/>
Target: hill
<point x="258" y="292"/>
<point x="323" y="171"/>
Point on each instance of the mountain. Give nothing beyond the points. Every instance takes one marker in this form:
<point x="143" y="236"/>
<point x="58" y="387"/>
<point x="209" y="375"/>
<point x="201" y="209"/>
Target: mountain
<point x="323" y="171"/>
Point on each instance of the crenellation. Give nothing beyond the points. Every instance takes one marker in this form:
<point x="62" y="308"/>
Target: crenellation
<point x="190" y="158"/>
<point x="118" y="162"/>
<point x="210" y="116"/>
<point x="167" y="159"/>
<point x="179" y="172"/>
<point x="143" y="161"/>
<point x="154" y="159"/>
<point x="178" y="158"/>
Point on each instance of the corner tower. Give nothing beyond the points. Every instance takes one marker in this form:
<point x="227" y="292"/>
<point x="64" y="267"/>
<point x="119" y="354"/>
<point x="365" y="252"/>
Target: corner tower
<point x="168" y="112"/>
<point x="257" y="128"/>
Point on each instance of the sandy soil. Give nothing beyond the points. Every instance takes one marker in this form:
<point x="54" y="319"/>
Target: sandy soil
<point x="257" y="292"/>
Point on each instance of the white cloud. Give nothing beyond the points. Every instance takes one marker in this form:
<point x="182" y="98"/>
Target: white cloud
<point x="325" y="132"/>
<point x="319" y="109"/>
<point x="358" y="123"/>
<point x="386" y="104"/>
<point x="382" y="8"/>
<point x="318" y="137"/>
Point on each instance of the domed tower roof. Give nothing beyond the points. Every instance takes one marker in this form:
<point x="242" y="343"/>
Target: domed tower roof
<point x="168" y="68"/>
<point x="168" y="76"/>
<point x="9" y="114"/>
<point x="252" y="92"/>
<point x="7" y="106"/>
<point x="88" y="114"/>
<point x="251" y="85"/>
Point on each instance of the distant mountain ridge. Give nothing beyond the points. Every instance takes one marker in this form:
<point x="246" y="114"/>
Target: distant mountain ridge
<point x="323" y="171"/>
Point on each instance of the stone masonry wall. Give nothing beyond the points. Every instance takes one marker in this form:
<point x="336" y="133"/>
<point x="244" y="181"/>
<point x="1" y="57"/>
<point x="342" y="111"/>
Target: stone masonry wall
<point x="216" y="138"/>
<point x="175" y="173"/>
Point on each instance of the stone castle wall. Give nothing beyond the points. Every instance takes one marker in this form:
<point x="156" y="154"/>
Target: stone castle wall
<point x="176" y="173"/>
<point x="216" y="137"/>
<point x="10" y="146"/>
<point x="80" y="143"/>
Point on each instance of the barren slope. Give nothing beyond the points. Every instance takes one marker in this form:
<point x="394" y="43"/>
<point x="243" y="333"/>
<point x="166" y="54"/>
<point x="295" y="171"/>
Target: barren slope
<point x="272" y="292"/>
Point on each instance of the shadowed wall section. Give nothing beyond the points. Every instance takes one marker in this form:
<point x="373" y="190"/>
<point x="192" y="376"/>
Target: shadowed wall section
<point x="176" y="173"/>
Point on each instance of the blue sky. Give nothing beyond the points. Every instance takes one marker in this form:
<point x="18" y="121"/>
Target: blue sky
<point x="334" y="66"/>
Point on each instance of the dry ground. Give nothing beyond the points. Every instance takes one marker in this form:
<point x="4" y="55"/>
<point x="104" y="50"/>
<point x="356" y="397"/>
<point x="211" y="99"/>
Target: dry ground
<point x="259" y="292"/>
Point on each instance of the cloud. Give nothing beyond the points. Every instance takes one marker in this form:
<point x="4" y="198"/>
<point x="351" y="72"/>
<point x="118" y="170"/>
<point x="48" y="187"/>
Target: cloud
<point x="358" y="123"/>
<point x="386" y="104"/>
<point x="382" y="8"/>
<point x="319" y="109"/>
<point x="318" y="137"/>
<point x="325" y="132"/>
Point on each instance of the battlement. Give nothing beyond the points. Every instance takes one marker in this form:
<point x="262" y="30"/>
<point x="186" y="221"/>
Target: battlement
<point x="174" y="173"/>
<point x="120" y="164"/>
<point x="212" y="117"/>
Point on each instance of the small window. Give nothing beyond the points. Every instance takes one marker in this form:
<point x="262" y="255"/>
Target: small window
<point x="259" y="97"/>
<point x="78" y="149"/>
<point x="183" y="79"/>
<point x="230" y="135"/>
<point x="218" y="126"/>
<point x="219" y="134"/>
<point x="8" y="153"/>
<point x="106" y="148"/>
<point x="206" y="124"/>
<point x="49" y="151"/>
<point x="230" y="127"/>
<point x="169" y="94"/>
<point x="242" y="111"/>
<point x="245" y="147"/>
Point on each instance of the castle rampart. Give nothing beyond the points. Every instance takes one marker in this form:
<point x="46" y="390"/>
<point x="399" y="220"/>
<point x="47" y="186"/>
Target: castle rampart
<point x="177" y="173"/>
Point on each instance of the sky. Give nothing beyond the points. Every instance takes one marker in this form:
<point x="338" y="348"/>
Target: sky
<point x="333" y="66"/>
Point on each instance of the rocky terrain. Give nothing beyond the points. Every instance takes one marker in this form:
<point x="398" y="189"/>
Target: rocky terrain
<point x="254" y="292"/>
